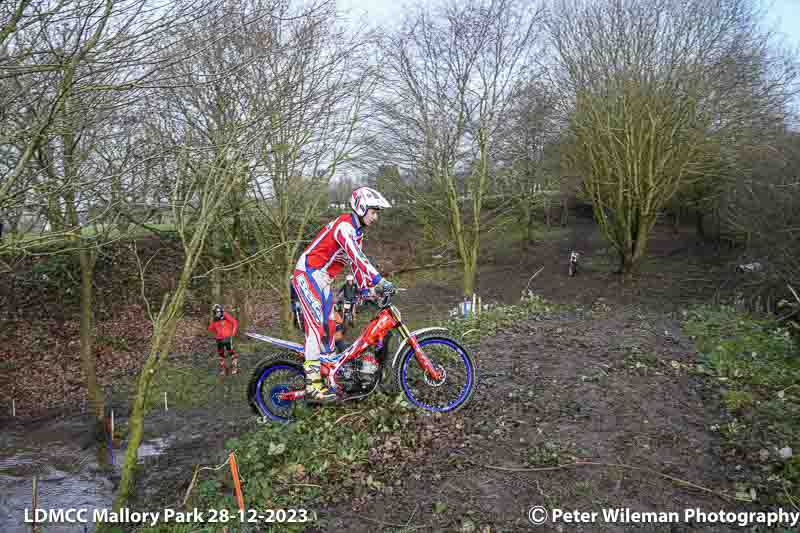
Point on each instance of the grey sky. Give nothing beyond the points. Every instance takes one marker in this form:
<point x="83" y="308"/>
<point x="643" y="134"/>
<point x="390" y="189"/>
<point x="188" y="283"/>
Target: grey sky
<point x="785" y="14"/>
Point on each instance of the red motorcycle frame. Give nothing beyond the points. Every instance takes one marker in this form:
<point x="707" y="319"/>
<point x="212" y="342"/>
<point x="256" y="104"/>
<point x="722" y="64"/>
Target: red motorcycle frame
<point x="387" y="319"/>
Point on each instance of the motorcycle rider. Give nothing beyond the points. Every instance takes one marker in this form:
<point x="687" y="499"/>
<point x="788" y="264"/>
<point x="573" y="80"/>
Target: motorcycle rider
<point x="336" y="245"/>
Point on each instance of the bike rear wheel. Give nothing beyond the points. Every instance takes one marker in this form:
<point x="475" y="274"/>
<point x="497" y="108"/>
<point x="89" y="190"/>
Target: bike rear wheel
<point x="274" y="375"/>
<point x="453" y="391"/>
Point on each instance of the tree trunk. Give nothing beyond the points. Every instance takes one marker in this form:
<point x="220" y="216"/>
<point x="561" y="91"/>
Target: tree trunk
<point x="701" y="232"/>
<point x="86" y="258"/>
<point x="469" y="277"/>
<point x="242" y="305"/>
<point x="216" y="286"/>
<point x="547" y="211"/>
<point x="625" y="262"/>
<point x="171" y="310"/>
<point x="96" y="400"/>
<point x="471" y="265"/>
<point x="528" y="235"/>
<point x="286" y="295"/>
<point x="118" y="199"/>
<point x="240" y="295"/>
<point x="564" y="212"/>
<point x="163" y="336"/>
<point x="635" y="251"/>
<point x="135" y="431"/>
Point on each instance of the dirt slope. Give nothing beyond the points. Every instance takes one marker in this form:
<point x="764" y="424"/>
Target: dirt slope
<point x="607" y="389"/>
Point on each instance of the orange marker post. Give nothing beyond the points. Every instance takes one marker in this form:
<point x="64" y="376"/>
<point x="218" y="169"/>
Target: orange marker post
<point x="236" y="484"/>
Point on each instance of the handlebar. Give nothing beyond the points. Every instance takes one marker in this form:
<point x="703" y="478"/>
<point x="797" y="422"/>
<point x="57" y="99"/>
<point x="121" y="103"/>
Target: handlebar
<point x="384" y="298"/>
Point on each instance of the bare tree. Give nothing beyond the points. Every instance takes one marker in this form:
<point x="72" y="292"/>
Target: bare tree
<point x="660" y="95"/>
<point x="764" y="206"/>
<point x="449" y="77"/>
<point x="311" y="83"/>
<point x="53" y="52"/>
<point x="528" y="153"/>
<point x="33" y="52"/>
<point x="69" y="74"/>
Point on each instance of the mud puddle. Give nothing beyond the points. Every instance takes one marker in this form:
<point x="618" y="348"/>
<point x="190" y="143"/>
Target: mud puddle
<point x="71" y="470"/>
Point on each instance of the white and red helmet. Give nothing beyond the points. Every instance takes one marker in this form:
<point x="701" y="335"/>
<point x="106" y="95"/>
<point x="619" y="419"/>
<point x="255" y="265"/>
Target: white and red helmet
<point x="365" y="198"/>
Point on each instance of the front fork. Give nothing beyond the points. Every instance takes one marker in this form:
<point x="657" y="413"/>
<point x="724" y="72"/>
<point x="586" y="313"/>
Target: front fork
<point x="422" y="359"/>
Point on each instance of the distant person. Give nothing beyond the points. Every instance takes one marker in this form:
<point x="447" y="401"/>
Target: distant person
<point x="224" y="328"/>
<point x="349" y="291"/>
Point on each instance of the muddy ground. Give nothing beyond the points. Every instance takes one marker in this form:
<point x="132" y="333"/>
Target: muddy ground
<point x="606" y="383"/>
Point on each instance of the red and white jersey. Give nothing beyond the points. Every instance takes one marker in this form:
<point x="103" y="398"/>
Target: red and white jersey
<point x="339" y="244"/>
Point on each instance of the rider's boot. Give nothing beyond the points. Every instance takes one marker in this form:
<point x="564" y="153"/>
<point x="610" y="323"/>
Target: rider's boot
<point x="316" y="391"/>
<point x="234" y="363"/>
<point x="223" y="366"/>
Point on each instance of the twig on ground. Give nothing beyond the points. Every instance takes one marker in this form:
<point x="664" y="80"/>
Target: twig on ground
<point x="191" y="485"/>
<point x="345" y="416"/>
<point x="789" y="496"/>
<point x="406" y="526"/>
<point x="794" y="293"/>
<point x="531" y="279"/>
<point x="410" y="518"/>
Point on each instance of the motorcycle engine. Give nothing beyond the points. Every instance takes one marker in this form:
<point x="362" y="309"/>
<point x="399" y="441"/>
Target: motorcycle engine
<point x="360" y="375"/>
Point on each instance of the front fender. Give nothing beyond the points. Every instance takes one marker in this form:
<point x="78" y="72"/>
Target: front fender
<point x="415" y="333"/>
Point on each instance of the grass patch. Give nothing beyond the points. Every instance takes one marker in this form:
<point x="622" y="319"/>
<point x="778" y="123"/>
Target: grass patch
<point x="496" y="317"/>
<point x="738" y="399"/>
<point x="186" y="386"/>
<point x="757" y="365"/>
<point x="548" y="453"/>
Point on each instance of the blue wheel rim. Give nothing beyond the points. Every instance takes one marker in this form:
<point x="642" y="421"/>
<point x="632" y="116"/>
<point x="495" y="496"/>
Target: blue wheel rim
<point x="273" y="393"/>
<point x="464" y="392"/>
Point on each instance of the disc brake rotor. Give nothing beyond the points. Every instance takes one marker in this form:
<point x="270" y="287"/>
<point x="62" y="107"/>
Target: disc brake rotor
<point x="436" y="383"/>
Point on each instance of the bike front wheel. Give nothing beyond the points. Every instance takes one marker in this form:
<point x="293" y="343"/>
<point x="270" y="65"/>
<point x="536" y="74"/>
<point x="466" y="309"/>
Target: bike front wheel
<point x="453" y="390"/>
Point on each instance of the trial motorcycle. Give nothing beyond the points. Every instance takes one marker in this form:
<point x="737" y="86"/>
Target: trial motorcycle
<point x="431" y="368"/>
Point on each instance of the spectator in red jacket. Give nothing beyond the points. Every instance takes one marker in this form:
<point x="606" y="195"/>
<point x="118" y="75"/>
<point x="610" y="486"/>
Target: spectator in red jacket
<point x="224" y="327"/>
